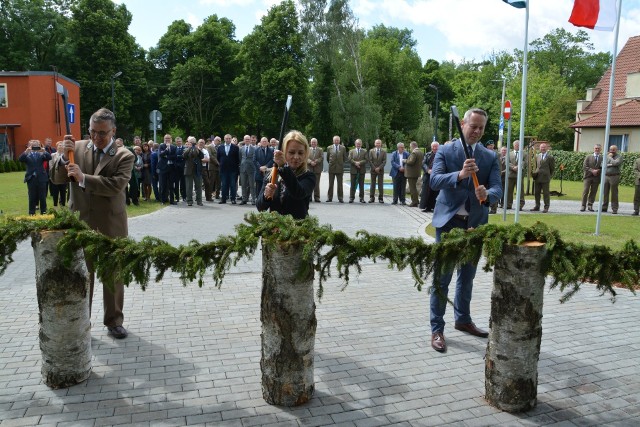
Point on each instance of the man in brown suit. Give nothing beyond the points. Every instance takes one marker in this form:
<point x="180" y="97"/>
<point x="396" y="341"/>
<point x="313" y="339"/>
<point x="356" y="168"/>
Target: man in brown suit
<point x="101" y="172"/>
<point x="412" y="171"/>
<point x="591" y="168"/>
<point x="357" y="169"/>
<point x="377" y="160"/>
<point x="336" y="157"/>
<point x="315" y="164"/>
<point x="545" y="166"/>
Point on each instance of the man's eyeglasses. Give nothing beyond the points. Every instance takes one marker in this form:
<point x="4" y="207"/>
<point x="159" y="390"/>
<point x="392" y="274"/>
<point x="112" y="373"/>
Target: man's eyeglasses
<point x="101" y="133"/>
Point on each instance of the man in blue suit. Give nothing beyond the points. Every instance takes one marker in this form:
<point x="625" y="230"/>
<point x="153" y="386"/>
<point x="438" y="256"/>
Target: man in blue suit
<point x="167" y="158"/>
<point x="36" y="176"/>
<point x="458" y="206"/>
<point x="398" y="161"/>
<point x="229" y="158"/>
<point x="264" y="163"/>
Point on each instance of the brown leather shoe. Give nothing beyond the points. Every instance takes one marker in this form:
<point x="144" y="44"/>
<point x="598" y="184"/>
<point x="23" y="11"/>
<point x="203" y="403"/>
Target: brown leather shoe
<point x="438" y="343"/>
<point x="545" y="210"/>
<point x="472" y="329"/>
<point x="537" y="208"/>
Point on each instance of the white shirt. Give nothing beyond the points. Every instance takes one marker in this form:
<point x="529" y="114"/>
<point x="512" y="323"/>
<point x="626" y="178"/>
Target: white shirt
<point x="206" y="157"/>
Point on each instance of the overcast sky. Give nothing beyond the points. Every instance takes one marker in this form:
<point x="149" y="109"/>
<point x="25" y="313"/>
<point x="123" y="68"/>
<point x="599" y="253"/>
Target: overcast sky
<point x="444" y="29"/>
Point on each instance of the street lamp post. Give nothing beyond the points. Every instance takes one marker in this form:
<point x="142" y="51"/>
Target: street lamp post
<point x="113" y="91"/>
<point x="501" y="130"/>
<point x="435" y="128"/>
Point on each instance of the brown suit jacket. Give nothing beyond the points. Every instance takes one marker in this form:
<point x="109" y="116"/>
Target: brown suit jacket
<point x="355" y="157"/>
<point x="318" y="158"/>
<point x="544" y="168"/>
<point x="589" y="164"/>
<point x="377" y="161"/>
<point x="413" y="167"/>
<point x="213" y="165"/>
<point x="336" y="159"/>
<point x="102" y="202"/>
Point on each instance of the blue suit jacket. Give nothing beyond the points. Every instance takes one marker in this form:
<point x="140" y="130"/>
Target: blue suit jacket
<point x="231" y="162"/>
<point x="395" y="162"/>
<point x="453" y="194"/>
<point x="263" y="160"/>
<point x="167" y="154"/>
<point x="35" y="165"/>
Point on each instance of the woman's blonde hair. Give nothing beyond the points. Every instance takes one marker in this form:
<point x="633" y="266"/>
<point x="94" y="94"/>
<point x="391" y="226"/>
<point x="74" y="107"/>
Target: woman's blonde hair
<point x="295" y="135"/>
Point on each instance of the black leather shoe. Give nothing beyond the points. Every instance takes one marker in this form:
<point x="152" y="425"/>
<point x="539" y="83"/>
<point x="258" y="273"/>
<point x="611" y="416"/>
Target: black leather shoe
<point x="118" y="332"/>
<point x="438" y="343"/>
<point x="233" y="202"/>
<point x="350" y="201"/>
<point x="472" y="329"/>
<point x="222" y="202"/>
<point x="582" y="209"/>
<point x="243" y="202"/>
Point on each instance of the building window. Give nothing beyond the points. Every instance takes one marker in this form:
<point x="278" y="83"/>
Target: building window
<point x="620" y="141"/>
<point x="3" y="95"/>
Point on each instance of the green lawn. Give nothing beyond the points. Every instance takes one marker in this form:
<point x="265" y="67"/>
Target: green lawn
<point x="14" y="201"/>
<point x="614" y="230"/>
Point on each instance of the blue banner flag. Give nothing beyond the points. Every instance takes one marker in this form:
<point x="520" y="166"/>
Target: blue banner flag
<point x="520" y="4"/>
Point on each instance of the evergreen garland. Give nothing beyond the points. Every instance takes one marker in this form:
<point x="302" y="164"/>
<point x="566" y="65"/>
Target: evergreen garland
<point x="128" y="261"/>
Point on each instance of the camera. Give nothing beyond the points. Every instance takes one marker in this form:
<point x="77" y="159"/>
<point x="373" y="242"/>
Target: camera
<point x="36" y="148"/>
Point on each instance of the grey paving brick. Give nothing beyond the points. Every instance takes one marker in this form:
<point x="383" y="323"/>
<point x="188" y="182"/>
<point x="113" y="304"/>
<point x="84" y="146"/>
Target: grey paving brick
<point x="194" y="354"/>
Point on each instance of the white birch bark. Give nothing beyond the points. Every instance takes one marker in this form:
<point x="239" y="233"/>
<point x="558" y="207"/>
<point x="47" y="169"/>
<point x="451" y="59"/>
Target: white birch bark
<point x="288" y="327"/>
<point x="63" y="302"/>
<point x="511" y="362"/>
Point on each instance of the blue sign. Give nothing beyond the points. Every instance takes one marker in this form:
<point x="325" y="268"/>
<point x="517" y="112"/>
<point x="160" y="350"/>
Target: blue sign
<point x="72" y="113"/>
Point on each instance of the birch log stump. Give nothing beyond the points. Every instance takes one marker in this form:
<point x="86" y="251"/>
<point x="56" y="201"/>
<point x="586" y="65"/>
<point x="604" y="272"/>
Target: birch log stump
<point x="288" y="315"/>
<point x="63" y="301"/>
<point x="511" y="362"/>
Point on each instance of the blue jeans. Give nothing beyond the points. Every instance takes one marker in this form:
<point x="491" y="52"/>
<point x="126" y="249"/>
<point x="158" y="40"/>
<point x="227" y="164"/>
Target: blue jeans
<point x="464" y="287"/>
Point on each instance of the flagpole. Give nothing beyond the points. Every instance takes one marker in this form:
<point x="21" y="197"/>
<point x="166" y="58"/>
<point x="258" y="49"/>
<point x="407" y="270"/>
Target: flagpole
<point x="523" y="111"/>
<point x="607" y="127"/>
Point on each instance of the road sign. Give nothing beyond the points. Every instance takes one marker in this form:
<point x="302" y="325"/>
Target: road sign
<point x="507" y="110"/>
<point x="155" y="115"/>
<point x="72" y="113"/>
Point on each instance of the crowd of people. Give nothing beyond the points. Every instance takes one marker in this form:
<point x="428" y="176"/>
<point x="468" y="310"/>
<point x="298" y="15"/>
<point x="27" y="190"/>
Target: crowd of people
<point x="232" y="171"/>
<point x="103" y="176"/>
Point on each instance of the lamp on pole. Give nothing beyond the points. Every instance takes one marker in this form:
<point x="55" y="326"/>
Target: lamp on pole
<point x="113" y="91"/>
<point x="435" y="128"/>
<point x="501" y="130"/>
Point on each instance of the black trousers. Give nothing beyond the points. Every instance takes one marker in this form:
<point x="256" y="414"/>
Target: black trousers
<point x="37" y="191"/>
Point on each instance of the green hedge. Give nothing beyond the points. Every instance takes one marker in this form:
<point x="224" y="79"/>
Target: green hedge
<point x="12" y="166"/>
<point x="573" y="162"/>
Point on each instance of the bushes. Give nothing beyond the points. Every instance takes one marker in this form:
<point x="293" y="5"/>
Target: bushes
<point x="573" y="162"/>
<point x="12" y="166"/>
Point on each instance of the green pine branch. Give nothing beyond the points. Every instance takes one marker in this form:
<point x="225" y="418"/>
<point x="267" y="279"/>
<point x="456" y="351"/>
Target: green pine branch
<point x="128" y="261"/>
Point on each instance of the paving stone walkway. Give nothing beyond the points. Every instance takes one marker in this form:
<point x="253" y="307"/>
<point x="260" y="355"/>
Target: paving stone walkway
<point x="192" y="356"/>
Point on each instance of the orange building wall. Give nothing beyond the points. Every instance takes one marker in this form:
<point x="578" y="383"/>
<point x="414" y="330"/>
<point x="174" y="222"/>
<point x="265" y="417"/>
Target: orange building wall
<point x="31" y="104"/>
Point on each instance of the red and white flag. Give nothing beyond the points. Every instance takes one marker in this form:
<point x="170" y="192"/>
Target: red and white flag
<point x="595" y="14"/>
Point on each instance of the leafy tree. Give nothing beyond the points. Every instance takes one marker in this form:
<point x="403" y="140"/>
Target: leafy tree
<point x="271" y="58"/>
<point x="550" y="108"/>
<point x="393" y="68"/>
<point x="102" y="46"/>
<point x="200" y="67"/>
<point x="571" y="55"/>
<point x="32" y="34"/>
